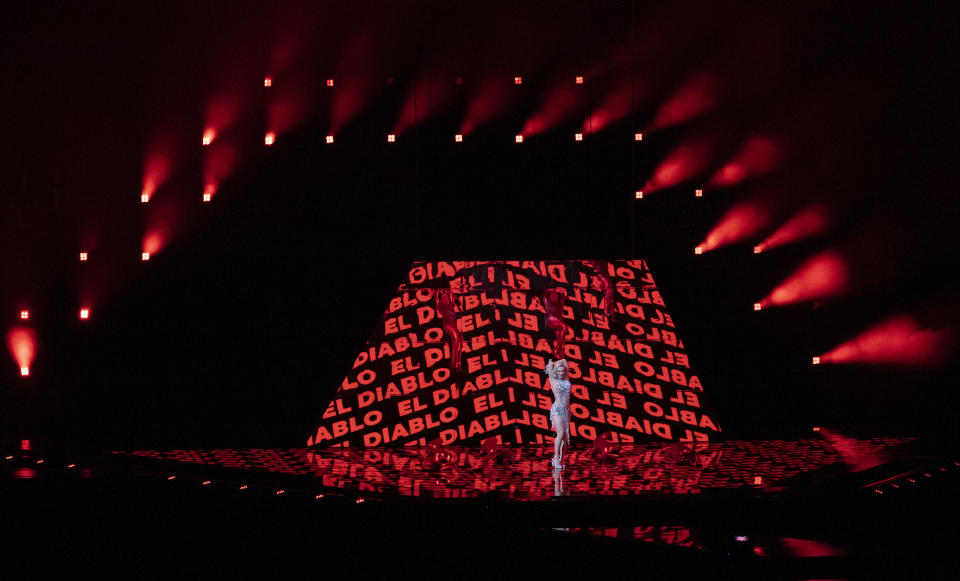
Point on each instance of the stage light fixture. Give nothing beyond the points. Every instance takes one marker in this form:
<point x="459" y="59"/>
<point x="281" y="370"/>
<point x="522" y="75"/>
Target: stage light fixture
<point x="757" y="249"/>
<point x="816" y="428"/>
<point x="208" y="136"/>
<point x="698" y="193"/>
<point x="391" y="138"/>
<point x="329" y="138"/>
<point x="24" y="371"/>
<point x="757" y="306"/>
<point x="517" y="80"/>
<point x="638" y="136"/>
<point x="144" y="256"/>
<point x="816" y="361"/>
<point x="84" y="313"/>
<point x="578" y="136"/>
<point x="206" y="196"/>
<point x="518" y="139"/>
<point x="758" y="480"/>
<point x="638" y="195"/>
<point x="329" y="82"/>
<point x="24" y="314"/>
<point x="144" y="198"/>
<point x="579" y="80"/>
<point x="267" y="81"/>
<point x="270" y="138"/>
<point x="83" y="257"/>
<point x="698" y="250"/>
<point x="458" y="138"/>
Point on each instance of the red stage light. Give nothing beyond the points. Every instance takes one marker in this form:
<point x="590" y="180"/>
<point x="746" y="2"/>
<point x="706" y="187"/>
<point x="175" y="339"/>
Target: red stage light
<point x="208" y="136"/>
<point x="739" y="223"/>
<point x="578" y="136"/>
<point x="208" y="192"/>
<point x="83" y="257"/>
<point x="757" y="306"/>
<point x="698" y="250"/>
<point x="267" y="81"/>
<point x="144" y="256"/>
<point x="579" y="80"/>
<point x="24" y="314"/>
<point x="270" y="138"/>
<point x="518" y="139"/>
<point x="698" y="193"/>
<point x="329" y="138"/>
<point x="206" y="197"/>
<point x="757" y="249"/>
<point x="144" y="198"/>
<point x="458" y="138"/>
<point x="517" y="80"/>
<point x="22" y="343"/>
<point x="391" y="138"/>
<point x="84" y="313"/>
<point x="329" y="82"/>
<point x="816" y="361"/>
<point x="638" y="195"/>
<point x="24" y="371"/>
<point x="638" y="136"/>
<point x="758" y="480"/>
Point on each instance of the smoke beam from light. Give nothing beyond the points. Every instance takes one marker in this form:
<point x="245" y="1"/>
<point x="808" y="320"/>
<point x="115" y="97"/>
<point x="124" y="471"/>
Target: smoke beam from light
<point x="424" y="99"/>
<point x="350" y="97"/>
<point x="153" y="241"/>
<point x="822" y="276"/>
<point x="810" y="221"/>
<point x="760" y="155"/>
<point x="490" y="100"/>
<point x="614" y="108"/>
<point x="899" y="340"/>
<point x="692" y="99"/>
<point x="22" y="343"/>
<point x="739" y="223"/>
<point x="557" y="104"/>
<point x="218" y="164"/>
<point x="684" y="163"/>
<point x="156" y="170"/>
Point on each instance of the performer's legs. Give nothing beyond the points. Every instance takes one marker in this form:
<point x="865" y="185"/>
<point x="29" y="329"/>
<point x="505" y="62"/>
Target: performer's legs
<point x="561" y="440"/>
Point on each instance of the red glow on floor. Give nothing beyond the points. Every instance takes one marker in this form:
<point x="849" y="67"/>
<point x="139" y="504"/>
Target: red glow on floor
<point x="739" y="223"/>
<point x="22" y="343"/>
<point x="83" y="257"/>
<point x="270" y="138"/>
<point x="267" y="81"/>
<point x="24" y="314"/>
<point x="759" y="156"/>
<point x="684" y="163"/>
<point x="899" y="340"/>
<point x="208" y="136"/>
<point x="822" y="276"/>
<point x="693" y="98"/>
<point x="84" y="313"/>
<point x="811" y="221"/>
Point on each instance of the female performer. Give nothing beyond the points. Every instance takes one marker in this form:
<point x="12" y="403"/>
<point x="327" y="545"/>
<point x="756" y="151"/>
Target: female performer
<point x="560" y="411"/>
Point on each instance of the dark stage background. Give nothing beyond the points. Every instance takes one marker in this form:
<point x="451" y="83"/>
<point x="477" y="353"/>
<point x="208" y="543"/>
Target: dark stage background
<point x="239" y="330"/>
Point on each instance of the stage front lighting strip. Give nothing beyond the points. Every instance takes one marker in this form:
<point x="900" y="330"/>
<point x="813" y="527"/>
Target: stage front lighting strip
<point x="631" y="376"/>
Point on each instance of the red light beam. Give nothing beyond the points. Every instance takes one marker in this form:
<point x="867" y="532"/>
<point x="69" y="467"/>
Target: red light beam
<point x="693" y="98"/>
<point x="810" y="221"/>
<point x="760" y="155"/>
<point x="900" y="340"/>
<point x="822" y="276"/>
<point x="739" y="223"/>
<point x="22" y="343"/>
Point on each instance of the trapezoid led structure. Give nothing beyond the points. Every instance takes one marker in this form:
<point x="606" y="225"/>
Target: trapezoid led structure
<point x="460" y="352"/>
